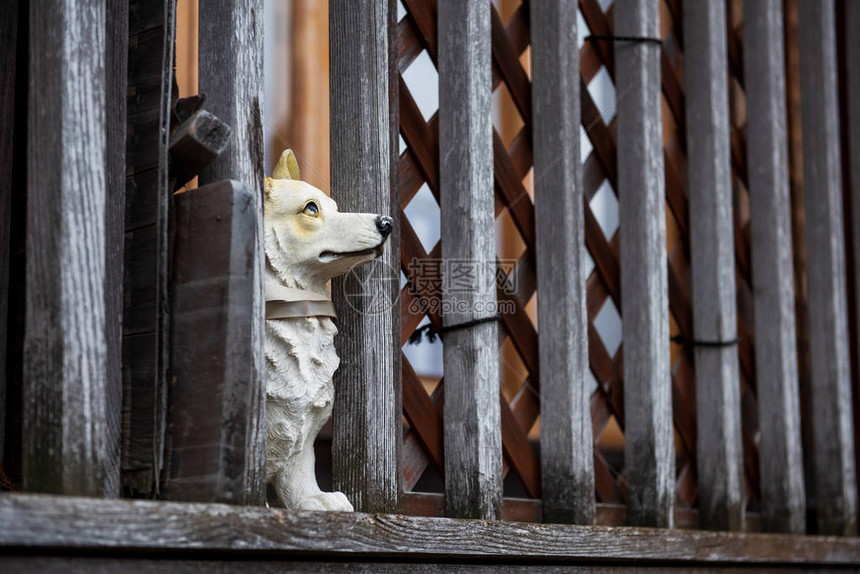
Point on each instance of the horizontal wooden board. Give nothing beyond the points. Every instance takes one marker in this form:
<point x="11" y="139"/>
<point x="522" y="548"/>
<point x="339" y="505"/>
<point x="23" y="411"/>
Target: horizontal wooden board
<point x="105" y="565"/>
<point x="44" y="522"/>
<point x="529" y="510"/>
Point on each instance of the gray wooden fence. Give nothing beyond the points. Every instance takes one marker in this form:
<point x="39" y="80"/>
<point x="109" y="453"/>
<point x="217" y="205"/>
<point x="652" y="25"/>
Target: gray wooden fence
<point x="111" y="408"/>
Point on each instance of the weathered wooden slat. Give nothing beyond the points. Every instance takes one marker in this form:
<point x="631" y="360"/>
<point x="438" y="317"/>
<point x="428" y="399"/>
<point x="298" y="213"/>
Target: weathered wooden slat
<point x="567" y="461"/>
<point x="105" y="565"/>
<point x="367" y="409"/>
<point x="473" y="446"/>
<point x="199" y="530"/>
<point x="424" y="15"/>
<point x="529" y="510"/>
<point x="230" y="74"/>
<point x="836" y="491"/>
<point x="211" y="375"/>
<point x="144" y="366"/>
<point x="423" y="416"/>
<point x="195" y="144"/>
<point x="116" y="89"/>
<point x="649" y="449"/>
<point x="506" y="60"/>
<point x="712" y="264"/>
<point x="10" y="53"/>
<point x="65" y="432"/>
<point x="852" y="67"/>
<point x="781" y="460"/>
<point x="17" y="291"/>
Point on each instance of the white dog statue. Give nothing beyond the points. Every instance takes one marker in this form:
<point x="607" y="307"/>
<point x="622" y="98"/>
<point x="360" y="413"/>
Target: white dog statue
<point x="308" y="241"/>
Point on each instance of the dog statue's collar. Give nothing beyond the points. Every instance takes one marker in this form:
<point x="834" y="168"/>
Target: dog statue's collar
<point x="289" y="303"/>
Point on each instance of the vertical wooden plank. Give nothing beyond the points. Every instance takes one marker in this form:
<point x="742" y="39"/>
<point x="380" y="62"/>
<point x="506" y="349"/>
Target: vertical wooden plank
<point x="147" y="196"/>
<point x="214" y="258"/>
<point x="116" y="78"/>
<point x="836" y="492"/>
<point x="567" y="467"/>
<point x="798" y="248"/>
<point x="852" y="67"/>
<point x="366" y="439"/>
<point x="231" y="67"/>
<point x="65" y="394"/>
<point x="649" y="449"/>
<point x="719" y="451"/>
<point x="473" y="447"/>
<point x="17" y="290"/>
<point x="780" y="456"/>
<point x="8" y="49"/>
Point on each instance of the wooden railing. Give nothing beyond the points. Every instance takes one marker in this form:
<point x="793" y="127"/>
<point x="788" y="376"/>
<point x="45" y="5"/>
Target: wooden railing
<point x="135" y="396"/>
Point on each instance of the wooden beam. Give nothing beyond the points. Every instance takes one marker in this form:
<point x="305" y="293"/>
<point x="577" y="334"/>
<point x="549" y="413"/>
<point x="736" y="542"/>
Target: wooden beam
<point x="712" y="257"/>
<point x="17" y="289"/>
<point x="473" y="445"/>
<point x="836" y="490"/>
<point x="852" y="66"/>
<point x="649" y="448"/>
<point x="780" y="455"/>
<point x="65" y="433"/>
<point x="108" y="565"/>
<point x="116" y="93"/>
<point x="231" y="75"/>
<point x="43" y="523"/>
<point x="212" y="315"/>
<point x="367" y="410"/>
<point x="567" y="467"/>
<point x="9" y="50"/>
<point x="196" y="143"/>
<point x="147" y="196"/>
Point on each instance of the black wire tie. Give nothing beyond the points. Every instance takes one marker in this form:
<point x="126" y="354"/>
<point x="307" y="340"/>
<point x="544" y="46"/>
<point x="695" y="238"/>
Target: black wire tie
<point x="432" y="332"/>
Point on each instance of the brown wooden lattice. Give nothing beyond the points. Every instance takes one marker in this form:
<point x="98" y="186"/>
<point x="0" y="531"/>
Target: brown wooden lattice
<point x="419" y="165"/>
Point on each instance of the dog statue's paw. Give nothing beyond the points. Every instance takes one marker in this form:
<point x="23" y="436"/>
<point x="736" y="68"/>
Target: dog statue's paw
<point x="335" y="501"/>
<point x="309" y="503"/>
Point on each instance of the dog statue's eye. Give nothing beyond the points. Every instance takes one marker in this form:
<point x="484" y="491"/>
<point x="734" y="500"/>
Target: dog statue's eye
<point x="311" y="208"/>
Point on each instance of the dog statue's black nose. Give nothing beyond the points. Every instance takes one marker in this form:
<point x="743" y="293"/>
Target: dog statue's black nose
<point x="384" y="224"/>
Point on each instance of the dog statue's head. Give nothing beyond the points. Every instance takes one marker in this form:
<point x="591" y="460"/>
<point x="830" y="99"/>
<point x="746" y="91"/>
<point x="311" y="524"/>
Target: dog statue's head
<point x="308" y="241"/>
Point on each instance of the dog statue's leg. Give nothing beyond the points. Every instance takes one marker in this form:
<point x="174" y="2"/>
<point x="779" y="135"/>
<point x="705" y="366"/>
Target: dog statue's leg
<point x="292" y="489"/>
<point x="328" y="500"/>
<point x="297" y="486"/>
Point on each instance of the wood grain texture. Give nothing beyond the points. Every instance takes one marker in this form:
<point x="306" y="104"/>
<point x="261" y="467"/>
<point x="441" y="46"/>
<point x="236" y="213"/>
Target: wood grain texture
<point x="211" y="380"/>
<point x="719" y="452"/>
<point x="567" y="461"/>
<point x="780" y="455"/>
<point x="530" y="510"/>
<point x="147" y="195"/>
<point x="17" y="293"/>
<point x="835" y="487"/>
<point x="202" y="530"/>
<point x="231" y="75"/>
<point x="649" y="449"/>
<point x="116" y="90"/>
<point x="196" y="143"/>
<point x="9" y="48"/>
<point x="65" y="427"/>
<point x="473" y="445"/>
<point x="367" y="427"/>
<point x="852" y="67"/>
<point x="106" y="565"/>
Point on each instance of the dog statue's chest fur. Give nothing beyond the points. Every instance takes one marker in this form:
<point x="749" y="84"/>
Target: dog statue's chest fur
<point x="300" y="364"/>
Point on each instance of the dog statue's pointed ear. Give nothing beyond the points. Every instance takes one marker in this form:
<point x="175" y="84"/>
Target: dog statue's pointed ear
<point x="288" y="167"/>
